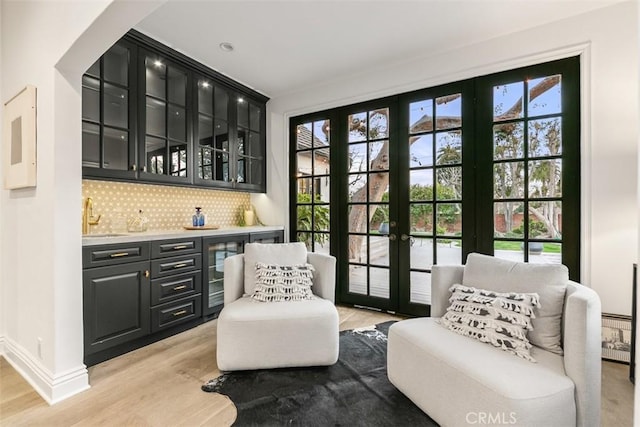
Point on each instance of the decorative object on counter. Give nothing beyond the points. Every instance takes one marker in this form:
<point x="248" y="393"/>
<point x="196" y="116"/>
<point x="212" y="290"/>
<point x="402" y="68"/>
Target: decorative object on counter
<point x="138" y="223"/>
<point x="19" y="136"/>
<point x="249" y="217"/>
<point x="119" y="222"/>
<point x="198" y="219"/>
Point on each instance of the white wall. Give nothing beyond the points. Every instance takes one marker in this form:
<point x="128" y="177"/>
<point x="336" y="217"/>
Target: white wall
<point x="607" y="40"/>
<point x="49" y="44"/>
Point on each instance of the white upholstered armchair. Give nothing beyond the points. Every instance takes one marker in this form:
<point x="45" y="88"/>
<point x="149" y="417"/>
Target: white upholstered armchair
<point x="458" y="380"/>
<point x="262" y="335"/>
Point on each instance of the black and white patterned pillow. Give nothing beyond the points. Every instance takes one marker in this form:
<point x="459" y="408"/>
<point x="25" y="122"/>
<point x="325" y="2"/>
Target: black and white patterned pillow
<point x="499" y="319"/>
<point x="276" y="283"/>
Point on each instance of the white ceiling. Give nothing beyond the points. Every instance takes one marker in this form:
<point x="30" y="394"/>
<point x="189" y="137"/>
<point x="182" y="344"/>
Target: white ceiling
<point x="283" y="46"/>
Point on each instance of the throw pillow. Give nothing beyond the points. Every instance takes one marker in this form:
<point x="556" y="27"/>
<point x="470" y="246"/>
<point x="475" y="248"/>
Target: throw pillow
<point x="276" y="283"/>
<point x="547" y="280"/>
<point x="500" y="319"/>
<point x="270" y="253"/>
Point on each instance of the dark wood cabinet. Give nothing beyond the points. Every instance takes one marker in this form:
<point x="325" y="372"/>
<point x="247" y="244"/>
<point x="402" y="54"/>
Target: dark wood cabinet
<point x="151" y="114"/>
<point x="267" y="237"/>
<point x="116" y="305"/>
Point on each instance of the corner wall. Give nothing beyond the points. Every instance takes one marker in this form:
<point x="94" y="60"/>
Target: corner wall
<point x="607" y="40"/>
<point x="50" y="44"/>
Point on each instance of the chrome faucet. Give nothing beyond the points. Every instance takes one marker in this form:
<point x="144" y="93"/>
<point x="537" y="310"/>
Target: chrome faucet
<point x="87" y="216"/>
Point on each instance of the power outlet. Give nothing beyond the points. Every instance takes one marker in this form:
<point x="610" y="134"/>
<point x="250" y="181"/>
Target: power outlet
<point x="40" y="347"/>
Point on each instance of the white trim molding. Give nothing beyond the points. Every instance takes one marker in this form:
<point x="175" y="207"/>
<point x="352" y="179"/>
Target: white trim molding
<point x="53" y="388"/>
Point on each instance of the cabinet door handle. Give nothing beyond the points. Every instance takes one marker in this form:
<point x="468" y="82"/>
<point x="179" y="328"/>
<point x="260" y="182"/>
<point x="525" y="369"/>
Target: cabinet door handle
<point x="179" y="313"/>
<point x="177" y="248"/>
<point x="119" y="254"/>
<point x="134" y="168"/>
<point x="178" y="288"/>
<point x="146" y="273"/>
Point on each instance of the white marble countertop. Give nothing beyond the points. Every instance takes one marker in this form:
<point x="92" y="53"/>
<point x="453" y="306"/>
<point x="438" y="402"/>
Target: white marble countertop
<point x="105" y="239"/>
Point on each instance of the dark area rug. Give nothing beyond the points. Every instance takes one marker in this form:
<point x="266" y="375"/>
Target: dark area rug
<point x="353" y="392"/>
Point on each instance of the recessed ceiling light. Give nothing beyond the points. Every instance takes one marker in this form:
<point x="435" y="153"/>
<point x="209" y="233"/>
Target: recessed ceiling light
<point x="240" y="100"/>
<point x="158" y="63"/>
<point x="226" y="46"/>
<point x="205" y="84"/>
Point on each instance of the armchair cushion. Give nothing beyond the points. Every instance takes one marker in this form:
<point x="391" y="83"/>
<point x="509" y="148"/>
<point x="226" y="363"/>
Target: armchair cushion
<point x="549" y="281"/>
<point x="276" y="283"/>
<point x="283" y="253"/>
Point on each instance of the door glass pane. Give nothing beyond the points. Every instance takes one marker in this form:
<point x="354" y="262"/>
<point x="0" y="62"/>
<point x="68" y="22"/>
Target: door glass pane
<point x="420" y="288"/>
<point x="357" y="127"/>
<point x="254" y="117"/>
<point x="449" y="252"/>
<point x="357" y="188"/>
<point x="358" y="249"/>
<point x="545" y="220"/>
<point x="421" y="151"/>
<point x="379" y="250"/>
<point x="155" y="119"/>
<point x="116" y="65"/>
<point x="205" y="97"/>
<point x="379" y="223"/>
<point x="512" y="251"/>
<point x="508" y="101"/>
<point x="221" y="103"/>
<point x="421" y="182"/>
<point x="357" y="218"/>
<point x="421" y="116"/>
<point x="321" y="164"/>
<point x="321" y="133"/>
<point x="358" y="279"/>
<point x="177" y="123"/>
<point x="177" y="86"/>
<point x="303" y="136"/>
<point x="545" y="137"/>
<point x="449" y="111"/>
<point x="545" y="253"/>
<point x="90" y="145"/>
<point x="508" y="218"/>
<point x="508" y="141"/>
<point x="449" y="147"/>
<point x="421" y="252"/>
<point x="116" y="149"/>
<point x="449" y="219"/>
<point x="421" y="217"/>
<point x="379" y="282"/>
<point x="379" y="123"/>
<point x="116" y="106"/>
<point x="379" y="155"/>
<point x="508" y="180"/>
<point x="90" y="99"/>
<point x="449" y="183"/>
<point x="304" y="162"/>
<point x="321" y="243"/>
<point x="545" y="178"/>
<point x="155" y="78"/>
<point x="357" y="157"/>
<point x="545" y="95"/>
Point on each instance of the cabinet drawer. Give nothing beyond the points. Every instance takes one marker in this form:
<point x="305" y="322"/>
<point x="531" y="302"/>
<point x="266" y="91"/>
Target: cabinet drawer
<point x="173" y="313"/>
<point x="171" y="288"/>
<point x="99" y="256"/>
<point x="165" y="248"/>
<point x="175" y="265"/>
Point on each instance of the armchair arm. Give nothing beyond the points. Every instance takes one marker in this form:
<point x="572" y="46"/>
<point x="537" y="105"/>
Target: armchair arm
<point x="233" y="278"/>
<point x="324" y="278"/>
<point x="581" y="332"/>
<point x="442" y="277"/>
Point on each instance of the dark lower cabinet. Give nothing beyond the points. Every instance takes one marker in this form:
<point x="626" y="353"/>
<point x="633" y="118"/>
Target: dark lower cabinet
<point x="116" y="305"/>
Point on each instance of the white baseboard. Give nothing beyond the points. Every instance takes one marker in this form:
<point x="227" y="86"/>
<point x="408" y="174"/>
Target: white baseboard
<point x="2" y="350"/>
<point x="53" y="388"/>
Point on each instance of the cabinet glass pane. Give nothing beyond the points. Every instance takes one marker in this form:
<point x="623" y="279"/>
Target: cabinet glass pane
<point x="156" y="124"/>
<point x="241" y="169"/>
<point x="205" y="98"/>
<point x="177" y="86"/>
<point x="254" y="117"/>
<point x="221" y="135"/>
<point x="90" y="145"/>
<point x="256" y="170"/>
<point x="243" y="113"/>
<point x="116" y="65"/>
<point x="241" y="140"/>
<point x="90" y="99"/>
<point x="205" y="130"/>
<point x="221" y="103"/>
<point x="254" y="147"/>
<point x="156" y="151"/>
<point x="116" y="149"/>
<point x="177" y="123"/>
<point x="116" y="106"/>
<point x="156" y="78"/>
<point x="178" y="159"/>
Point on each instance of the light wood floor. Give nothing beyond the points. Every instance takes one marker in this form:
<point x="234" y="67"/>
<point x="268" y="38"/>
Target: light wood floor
<point x="159" y="385"/>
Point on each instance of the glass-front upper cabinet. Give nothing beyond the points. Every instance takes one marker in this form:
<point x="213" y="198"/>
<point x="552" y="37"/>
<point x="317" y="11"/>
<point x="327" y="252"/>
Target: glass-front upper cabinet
<point x="211" y="135"/>
<point x="165" y="149"/>
<point x="108" y="108"/>
<point x="250" y="145"/>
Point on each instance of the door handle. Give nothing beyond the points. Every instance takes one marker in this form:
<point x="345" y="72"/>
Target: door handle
<point x="404" y="237"/>
<point x="392" y="237"/>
